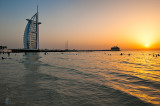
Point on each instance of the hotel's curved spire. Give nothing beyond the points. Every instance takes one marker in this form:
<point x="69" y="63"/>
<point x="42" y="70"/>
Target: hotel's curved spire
<point x="31" y="33"/>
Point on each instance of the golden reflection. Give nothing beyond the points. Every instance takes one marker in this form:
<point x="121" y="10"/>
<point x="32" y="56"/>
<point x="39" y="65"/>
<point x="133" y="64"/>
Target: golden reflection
<point x="131" y="89"/>
<point x="134" y="74"/>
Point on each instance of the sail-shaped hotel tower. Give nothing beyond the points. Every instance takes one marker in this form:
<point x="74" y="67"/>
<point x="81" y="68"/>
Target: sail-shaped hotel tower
<point x="31" y="33"/>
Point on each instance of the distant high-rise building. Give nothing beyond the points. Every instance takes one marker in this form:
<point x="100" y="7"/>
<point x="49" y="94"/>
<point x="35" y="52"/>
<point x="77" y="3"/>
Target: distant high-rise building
<point x="31" y="33"/>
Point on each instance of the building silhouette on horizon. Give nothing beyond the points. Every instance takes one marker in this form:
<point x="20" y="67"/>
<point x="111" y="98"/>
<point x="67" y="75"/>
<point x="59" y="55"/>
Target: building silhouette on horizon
<point x="31" y="33"/>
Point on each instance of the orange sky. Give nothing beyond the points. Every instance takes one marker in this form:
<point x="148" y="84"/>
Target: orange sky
<point x="93" y="24"/>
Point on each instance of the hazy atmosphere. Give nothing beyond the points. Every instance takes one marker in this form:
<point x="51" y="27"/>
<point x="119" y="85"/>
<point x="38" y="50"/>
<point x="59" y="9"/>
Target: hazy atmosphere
<point x="79" y="52"/>
<point x="86" y="24"/>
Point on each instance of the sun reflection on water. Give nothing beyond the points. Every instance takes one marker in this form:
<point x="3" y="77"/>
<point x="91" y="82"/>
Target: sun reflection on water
<point x="137" y="75"/>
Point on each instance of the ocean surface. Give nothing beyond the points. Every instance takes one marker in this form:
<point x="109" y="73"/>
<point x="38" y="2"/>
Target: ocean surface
<point x="80" y="79"/>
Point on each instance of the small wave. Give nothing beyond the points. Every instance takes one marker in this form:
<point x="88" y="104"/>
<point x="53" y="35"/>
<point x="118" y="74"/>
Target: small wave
<point x="153" y="70"/>
<point x="48" y="65"/>
<point x="79" y="72"/>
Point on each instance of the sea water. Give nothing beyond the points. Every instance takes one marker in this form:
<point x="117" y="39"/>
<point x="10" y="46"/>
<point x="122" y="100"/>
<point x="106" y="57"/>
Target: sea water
<point x="80" y="79"/>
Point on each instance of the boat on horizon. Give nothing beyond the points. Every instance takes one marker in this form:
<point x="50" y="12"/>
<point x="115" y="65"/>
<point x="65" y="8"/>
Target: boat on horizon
<point x="115" y="48"/>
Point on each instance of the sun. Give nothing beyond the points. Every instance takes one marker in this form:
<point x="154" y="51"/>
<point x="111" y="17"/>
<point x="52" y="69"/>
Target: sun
<point x="147" y="45"/>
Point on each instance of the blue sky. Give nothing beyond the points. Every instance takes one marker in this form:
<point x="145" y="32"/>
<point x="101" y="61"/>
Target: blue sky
<point x="13" y="15"/>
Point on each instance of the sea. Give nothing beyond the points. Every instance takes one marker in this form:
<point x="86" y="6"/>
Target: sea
<point x="103" y="78"/>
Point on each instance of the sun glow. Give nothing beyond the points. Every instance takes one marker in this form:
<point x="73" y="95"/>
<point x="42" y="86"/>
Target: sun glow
<point x="147" y="45"/>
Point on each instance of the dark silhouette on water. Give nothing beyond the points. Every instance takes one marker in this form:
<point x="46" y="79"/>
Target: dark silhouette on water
<point x="3" y="58"/>
<point x="45" y="53"/>
<point x="8" y="53"/>
<point x="156" y="55"/>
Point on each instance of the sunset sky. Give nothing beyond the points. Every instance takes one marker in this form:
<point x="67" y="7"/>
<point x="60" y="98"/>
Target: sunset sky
<point x="86" y="24"/>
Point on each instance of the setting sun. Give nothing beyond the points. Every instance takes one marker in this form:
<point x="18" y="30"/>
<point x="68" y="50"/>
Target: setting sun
<point x="147" y="45"/>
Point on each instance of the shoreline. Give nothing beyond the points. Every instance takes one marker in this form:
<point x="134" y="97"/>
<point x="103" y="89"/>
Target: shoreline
<point x="27" y="50"/>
